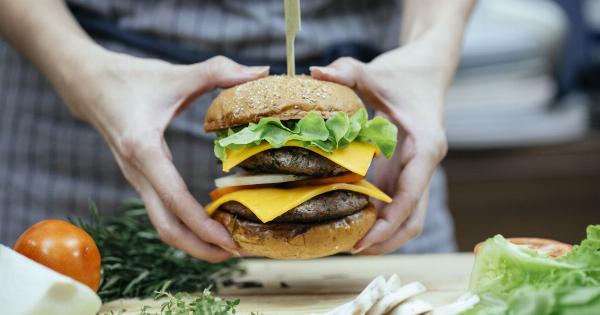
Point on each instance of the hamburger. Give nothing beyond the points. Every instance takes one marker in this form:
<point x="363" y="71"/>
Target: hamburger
<point x="301" y="149"/>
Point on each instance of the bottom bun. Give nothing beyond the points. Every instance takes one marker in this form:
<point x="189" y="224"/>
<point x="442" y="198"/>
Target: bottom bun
<point x="298" y="240"/>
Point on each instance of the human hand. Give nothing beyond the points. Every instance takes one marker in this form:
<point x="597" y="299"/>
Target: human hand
<point x="131" y="101"/>
<point x="406" y="88"/>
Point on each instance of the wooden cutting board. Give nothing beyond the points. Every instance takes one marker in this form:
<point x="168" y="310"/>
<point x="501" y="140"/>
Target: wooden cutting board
<point x="302" y="287"/>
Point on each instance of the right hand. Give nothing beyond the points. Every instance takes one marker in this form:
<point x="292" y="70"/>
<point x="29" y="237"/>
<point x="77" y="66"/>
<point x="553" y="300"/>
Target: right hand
<point x="131" y="101"/>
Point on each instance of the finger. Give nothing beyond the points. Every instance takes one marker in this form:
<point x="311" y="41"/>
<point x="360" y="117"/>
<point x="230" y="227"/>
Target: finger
<point x="218" y="72"/>
<point x="222" y="72"/>
<point x="352" y="73"/>
<point x="409" y="230"/>
<point x="166" y="149"/>
<point x="151" y="160"/>
<point x="169" y="228"/>
<point x="173" y="232"/>
<point x="414" y="180"/>
<point x="243" y="253"/>
<point x="382" y="168"/>
<point x="346" y="71"/>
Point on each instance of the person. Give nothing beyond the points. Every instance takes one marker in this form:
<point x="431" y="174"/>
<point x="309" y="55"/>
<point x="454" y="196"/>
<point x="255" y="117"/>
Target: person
<point x="140" y="75"/>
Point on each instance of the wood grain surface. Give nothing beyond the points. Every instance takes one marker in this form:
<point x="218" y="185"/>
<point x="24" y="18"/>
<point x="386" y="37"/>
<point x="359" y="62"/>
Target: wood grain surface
<point x="303" y="287"/>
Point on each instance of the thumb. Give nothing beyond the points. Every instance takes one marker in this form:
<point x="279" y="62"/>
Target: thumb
<point x="346" y="71"/>
<point x="217" y="72"/>
<point x="221" y="72"/>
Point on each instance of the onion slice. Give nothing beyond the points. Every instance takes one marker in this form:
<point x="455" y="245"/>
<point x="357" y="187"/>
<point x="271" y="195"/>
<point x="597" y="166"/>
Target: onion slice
<point x="244" y="180"/>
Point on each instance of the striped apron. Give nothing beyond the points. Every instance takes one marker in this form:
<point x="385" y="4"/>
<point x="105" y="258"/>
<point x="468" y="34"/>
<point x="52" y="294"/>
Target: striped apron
<point x="52" y="166"/>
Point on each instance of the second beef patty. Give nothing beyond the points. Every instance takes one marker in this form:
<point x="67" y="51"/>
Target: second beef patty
<point x="328" y="206"/>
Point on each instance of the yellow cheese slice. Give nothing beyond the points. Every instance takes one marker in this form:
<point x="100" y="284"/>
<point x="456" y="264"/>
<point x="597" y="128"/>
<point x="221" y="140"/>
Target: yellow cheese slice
<point x="356" y="157"/>
<point x="269" y="203"/>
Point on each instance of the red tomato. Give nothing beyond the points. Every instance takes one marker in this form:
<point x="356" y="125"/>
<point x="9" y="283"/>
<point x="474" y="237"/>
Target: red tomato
<point x="64" y="248"/>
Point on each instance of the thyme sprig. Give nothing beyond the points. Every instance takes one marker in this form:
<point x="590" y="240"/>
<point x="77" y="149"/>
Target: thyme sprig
<point x="205" y="304"/>
<point x="184" y="304"/>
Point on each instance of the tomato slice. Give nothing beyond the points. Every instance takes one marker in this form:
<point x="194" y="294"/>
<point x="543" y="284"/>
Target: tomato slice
<point x="547" y="246"/>
<point x="345" y="178"/>
<point x="220" y="192"/>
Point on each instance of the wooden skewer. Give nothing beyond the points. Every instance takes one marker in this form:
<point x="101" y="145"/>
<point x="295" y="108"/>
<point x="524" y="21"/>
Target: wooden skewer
<point x="292" y="27"/>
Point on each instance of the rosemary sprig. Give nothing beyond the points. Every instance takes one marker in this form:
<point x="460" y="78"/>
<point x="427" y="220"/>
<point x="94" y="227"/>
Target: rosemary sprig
<point x="135" y="263"/>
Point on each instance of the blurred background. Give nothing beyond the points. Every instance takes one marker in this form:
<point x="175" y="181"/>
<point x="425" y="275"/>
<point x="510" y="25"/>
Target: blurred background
<point x="523" y="121"/>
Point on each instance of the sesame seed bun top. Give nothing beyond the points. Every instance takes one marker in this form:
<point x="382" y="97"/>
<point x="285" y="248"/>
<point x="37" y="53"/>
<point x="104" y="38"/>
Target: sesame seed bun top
<point x="283" y="97"/>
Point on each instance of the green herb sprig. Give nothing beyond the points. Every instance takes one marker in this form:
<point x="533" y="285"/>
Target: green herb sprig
<point x="205" y="304"/>
<point x="184" y="304"/>
<point x="136" y="263"/>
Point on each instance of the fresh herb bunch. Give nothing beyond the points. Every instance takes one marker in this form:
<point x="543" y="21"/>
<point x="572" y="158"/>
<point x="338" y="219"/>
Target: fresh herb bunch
<point x="136" y="263"/>
<point x="183" y="304"/>
<point x="205" y="304"/>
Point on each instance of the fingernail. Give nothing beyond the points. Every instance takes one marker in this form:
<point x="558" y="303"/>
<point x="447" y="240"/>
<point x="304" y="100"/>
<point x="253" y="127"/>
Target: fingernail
<point x="323" y="70"/>
<point x="233" y="252"/>
<point x="257" y="70"/>
<point x="358" y="250"/>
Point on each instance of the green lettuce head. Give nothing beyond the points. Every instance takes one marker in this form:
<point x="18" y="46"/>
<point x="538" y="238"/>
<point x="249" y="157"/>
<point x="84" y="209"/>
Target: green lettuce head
<point x="515" y="280"/>
<point x="337" y="132"/>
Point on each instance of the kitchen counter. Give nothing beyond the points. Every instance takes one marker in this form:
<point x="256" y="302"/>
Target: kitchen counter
<point x="302" y="287"/>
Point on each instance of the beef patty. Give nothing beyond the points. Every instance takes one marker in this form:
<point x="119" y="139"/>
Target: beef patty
<point x="292" y="160"/>
<point x="328" y="206"/>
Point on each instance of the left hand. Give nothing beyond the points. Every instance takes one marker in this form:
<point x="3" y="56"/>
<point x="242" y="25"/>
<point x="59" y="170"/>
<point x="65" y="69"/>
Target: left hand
<point x="404" y="86"/>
